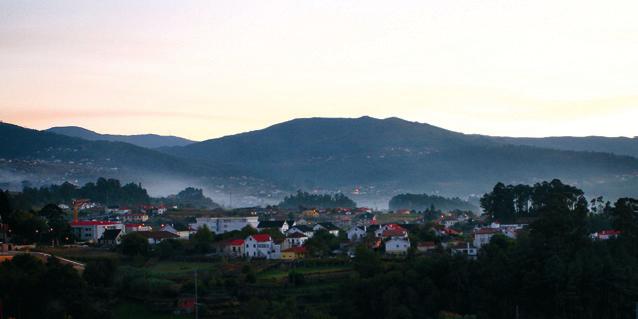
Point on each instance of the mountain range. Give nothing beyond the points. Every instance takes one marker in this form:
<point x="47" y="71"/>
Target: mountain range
<point x="368" y="158"/>
<point x="143" y="140"/>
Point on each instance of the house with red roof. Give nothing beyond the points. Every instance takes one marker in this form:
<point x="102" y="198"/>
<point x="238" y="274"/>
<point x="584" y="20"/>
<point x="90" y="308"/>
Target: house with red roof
<point x="91" y="231"/>
<point x="233" y="248"/>
<point x="424" y="247"/>
<point x="605" y="234"/>
<point x="293" y="253"/>
<point x="391" y="230"/>
<point x="261" y="246"/>
<point x="397" y="245"/>
<point x="295" y="239"/>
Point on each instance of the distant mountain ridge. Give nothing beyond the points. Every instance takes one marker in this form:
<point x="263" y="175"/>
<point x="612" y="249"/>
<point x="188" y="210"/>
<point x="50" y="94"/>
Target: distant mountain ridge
<point x="143" y="140"/>
<point x="44" y="153"/>
<point x="399" y="156"/>
<point x="379" y="158"/>
<point x="615" y="145"/>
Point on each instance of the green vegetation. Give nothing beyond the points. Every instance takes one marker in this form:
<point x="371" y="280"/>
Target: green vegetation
<point x="130" y="310"/>
<point x="105" y="191"/>
<point x="190" y="197"/>
<point x="307" y="200"/>
<point x="552" y="270"/>
<point x="421" y="202"/>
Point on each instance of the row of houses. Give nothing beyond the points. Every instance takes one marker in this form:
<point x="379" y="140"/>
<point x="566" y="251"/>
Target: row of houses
<point x="109" y="233"/>
<point x="262" y="246"/>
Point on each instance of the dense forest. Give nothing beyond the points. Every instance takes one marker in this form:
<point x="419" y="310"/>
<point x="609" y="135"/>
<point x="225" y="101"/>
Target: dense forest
<point x="553" y="270"/>
<point x="307" y="200"/>
<point x="189" y="197"/>
<point x="104" y="191"/>
<point x="422" y="202"/>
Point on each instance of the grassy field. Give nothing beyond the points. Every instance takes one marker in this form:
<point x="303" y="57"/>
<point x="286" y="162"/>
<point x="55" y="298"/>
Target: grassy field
<point x="278" y="274"/>
<point x="137" y="311"/>
<point x="78" y="253"/>
<point x="178" y="267"/>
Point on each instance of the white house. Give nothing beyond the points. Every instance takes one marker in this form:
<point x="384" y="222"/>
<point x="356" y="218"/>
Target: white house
<point x="330" y="227"/>
<point x="135" y="218"/>
<point x="465" y="249"/>
<point x="304" y="229"/>
<point x="91" y="231"/>
<point x="233" y="248"/>
<point x="449" y="221"/>
<point x="261" y="246"/>
<point x="156" y="237"/>
<point x="294" y="240"/>
<point x="280" y="225"/>
<point x="397" y="245"/>
<point x="482" y="236"/>
<point x="182" y="233"/>
<point x="356" y="233"/>
<point x="220" y="225"/>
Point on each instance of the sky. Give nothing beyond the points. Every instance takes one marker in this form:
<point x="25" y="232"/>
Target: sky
<point x="205" y="69"/>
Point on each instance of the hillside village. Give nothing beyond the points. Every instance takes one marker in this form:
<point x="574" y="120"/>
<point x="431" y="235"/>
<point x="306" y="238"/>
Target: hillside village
<point x="460" y="233"/>
<point x="284" y="249"/>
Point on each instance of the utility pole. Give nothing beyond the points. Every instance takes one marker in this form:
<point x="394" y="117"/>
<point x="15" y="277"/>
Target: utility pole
<point x="196" y="305"/>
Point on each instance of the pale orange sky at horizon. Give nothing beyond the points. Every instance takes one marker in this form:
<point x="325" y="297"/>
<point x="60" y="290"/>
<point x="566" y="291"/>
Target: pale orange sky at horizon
<point x="205" y="69"/>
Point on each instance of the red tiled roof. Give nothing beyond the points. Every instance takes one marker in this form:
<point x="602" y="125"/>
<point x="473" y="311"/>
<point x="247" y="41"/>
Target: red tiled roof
<point x="261" y="237"/>
<point x="451" y="231"/>
<point x="93" y="223"/>
<point x="394" y="226"/>
<point x="235" y="242"/>
<point x="427" y="244"/>
<point x="393" y="233"/>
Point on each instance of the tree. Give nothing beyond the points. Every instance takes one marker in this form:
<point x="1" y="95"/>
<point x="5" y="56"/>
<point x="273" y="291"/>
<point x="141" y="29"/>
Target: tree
<point x="59" y="228"/>
<point x="625" y="217"/>
<point x="134" y="244"/>
<point x="100" y="272"/>
<point x="168" y="248"/>
<point x="366" y="262"/>
<point x="32" y="289"/>
<point x="322" y="243"/>
<point x="307" y="200"/>
<point x="203" y="239"/>
<point x="6" y="209"/>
